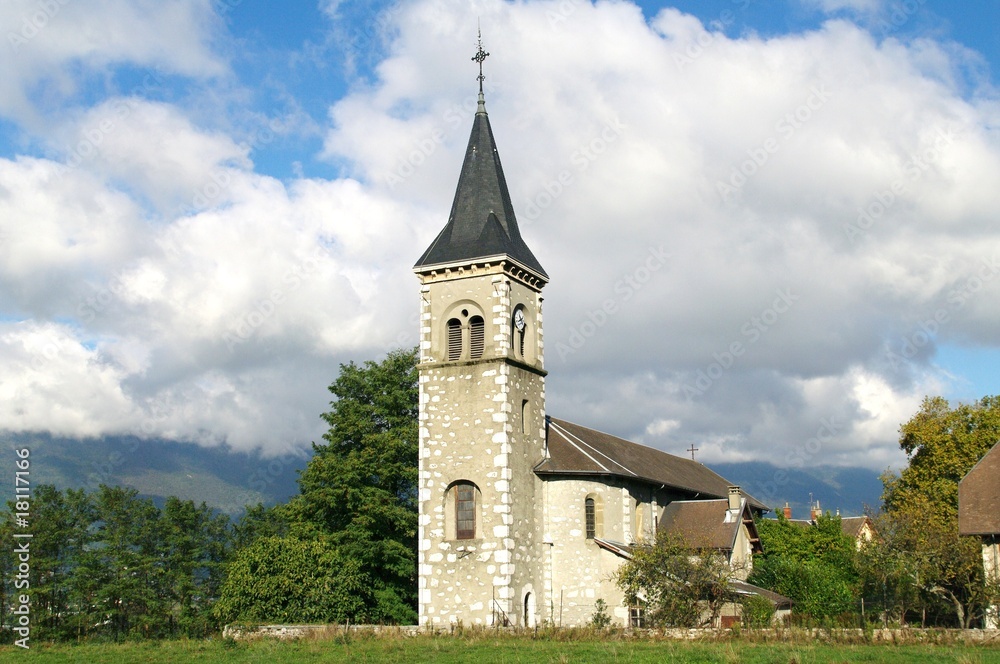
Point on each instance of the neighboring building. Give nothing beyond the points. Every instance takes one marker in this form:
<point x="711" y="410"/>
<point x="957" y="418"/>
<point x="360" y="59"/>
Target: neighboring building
<point x="859" y="528"/>
<point x="979" y="514"/>
<point x="523" y="519"/>
<point x="724" y="525"/>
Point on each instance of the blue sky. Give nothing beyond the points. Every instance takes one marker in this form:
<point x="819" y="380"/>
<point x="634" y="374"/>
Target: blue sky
<point x="205" y="207"/>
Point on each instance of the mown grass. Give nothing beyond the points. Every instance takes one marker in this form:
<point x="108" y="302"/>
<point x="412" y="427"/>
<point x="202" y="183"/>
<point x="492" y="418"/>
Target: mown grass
<point x="492" y="647"/>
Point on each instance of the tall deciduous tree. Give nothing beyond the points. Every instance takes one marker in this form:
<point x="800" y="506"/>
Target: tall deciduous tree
<point x="359" y="491"/>
<point x="942" y="444"/>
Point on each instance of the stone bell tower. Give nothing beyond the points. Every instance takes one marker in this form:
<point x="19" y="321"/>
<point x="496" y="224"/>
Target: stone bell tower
<point x="482" y="405"/>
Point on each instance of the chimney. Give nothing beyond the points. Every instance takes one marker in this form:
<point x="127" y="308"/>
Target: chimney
<point x="787" y="510"/>
<point x="816" y="512"/>
<point x="734" y="497"/>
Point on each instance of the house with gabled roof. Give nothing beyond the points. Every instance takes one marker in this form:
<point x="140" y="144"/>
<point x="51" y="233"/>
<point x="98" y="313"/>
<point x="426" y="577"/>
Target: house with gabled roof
<point x="723" y="525"/>
<point x="523" y="518"/>
<point x="979" y="515"/>
<point x="858" y="528"/>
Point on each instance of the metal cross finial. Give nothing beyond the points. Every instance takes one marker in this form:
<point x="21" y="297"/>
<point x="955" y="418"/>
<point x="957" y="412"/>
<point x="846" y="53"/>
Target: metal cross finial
<point x="479" y="57"/>
<point x="692" y="450"/>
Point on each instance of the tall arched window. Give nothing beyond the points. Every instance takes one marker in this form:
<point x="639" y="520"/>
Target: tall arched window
<point x="593" y="516"/>
<point x="477" y="331"/>
<point x="465" y="510"/>
<point x="454" y="339"/>
<point x="461" y="505"/>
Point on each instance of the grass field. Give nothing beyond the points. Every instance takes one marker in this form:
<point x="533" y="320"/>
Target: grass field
<point x="499" y="648"/>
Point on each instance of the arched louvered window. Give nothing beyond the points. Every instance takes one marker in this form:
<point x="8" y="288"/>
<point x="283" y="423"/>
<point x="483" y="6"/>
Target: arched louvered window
<point x="454" y="339"/>
<point x="477" y="331"/>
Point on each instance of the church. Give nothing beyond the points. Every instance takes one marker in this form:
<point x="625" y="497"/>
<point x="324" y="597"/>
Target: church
<point x="524" y="518"/>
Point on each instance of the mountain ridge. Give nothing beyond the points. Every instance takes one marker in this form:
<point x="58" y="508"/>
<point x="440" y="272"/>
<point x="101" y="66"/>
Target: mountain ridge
<point x="229" y="481"/>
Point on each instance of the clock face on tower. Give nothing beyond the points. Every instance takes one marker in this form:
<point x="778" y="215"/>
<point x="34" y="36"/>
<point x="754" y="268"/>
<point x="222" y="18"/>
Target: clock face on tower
<point x="519" y="320"/>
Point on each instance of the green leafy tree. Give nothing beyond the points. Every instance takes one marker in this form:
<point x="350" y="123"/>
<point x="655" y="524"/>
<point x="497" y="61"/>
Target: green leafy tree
<point x="813" y="565"/>
<point x="942" y="569"/>
<point x="124" y="566"/>
<point x="59" y="524"/>
<point x="678" y="586"/>
<point x="359" y="491"/>
<point x="888" y="571"/>
<point x="758" y="612"/>
<point x="284" y="579"/>
<point x="258" y="522"/>
<point x="942" y="444"/>
<point x="194" y="546"/>
<point x="111" y="564"/>
<point x="920" y="564"/>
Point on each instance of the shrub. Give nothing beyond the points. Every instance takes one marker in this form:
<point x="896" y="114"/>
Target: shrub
<point x="757" y="612"/>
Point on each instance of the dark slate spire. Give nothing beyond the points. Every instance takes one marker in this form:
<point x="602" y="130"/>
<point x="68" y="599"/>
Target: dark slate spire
<point x="482" y="222"/>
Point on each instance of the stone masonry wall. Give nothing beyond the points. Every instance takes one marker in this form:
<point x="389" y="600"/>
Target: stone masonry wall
<point x="471" y="429"/>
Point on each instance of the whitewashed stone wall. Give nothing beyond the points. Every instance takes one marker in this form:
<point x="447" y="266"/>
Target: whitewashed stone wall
<point x="471" y="429"/>
<point x="582" y="571"/>
<point x="991" y="566"/>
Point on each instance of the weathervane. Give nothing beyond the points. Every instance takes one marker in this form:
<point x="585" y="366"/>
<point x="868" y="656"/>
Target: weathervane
<point x="479" y="57"/>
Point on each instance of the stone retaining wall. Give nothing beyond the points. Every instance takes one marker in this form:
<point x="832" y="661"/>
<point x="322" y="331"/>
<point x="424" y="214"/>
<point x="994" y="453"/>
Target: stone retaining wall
<point x="985" y="636"/>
